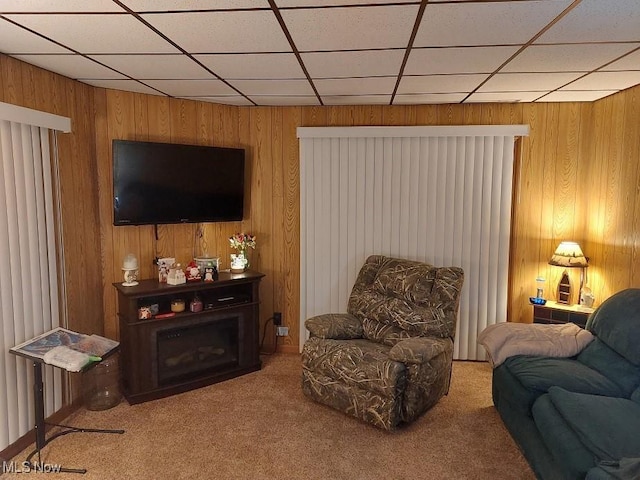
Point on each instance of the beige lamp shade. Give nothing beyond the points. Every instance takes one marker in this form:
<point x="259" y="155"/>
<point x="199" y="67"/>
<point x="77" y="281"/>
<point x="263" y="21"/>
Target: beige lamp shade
<point x="569" y="254"/>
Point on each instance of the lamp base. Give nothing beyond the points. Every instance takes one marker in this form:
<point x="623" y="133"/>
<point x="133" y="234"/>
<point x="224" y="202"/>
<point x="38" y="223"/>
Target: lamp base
<point x="130" y="284"/>
<point x="564" y="289"/>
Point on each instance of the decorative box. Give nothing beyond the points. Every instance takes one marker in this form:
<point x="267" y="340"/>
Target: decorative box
<point x="193" y="272"/>
<point x="164" y="264"/>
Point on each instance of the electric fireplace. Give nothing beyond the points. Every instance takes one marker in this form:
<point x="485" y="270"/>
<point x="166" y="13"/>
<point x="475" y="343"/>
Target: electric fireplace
<point x="175" y="352"/>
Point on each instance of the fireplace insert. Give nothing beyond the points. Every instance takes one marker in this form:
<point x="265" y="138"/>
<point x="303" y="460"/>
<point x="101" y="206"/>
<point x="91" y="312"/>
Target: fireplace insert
<point x="189" y="351"/>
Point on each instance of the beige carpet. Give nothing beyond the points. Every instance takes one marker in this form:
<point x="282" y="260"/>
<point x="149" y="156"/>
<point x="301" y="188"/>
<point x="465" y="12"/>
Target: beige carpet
<point x="260" y="426"/>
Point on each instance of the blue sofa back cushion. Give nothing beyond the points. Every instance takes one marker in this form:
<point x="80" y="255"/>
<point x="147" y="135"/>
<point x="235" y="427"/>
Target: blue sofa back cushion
<point x="540" y="373"/>
<point x="598" y="356"/>
<point x="617" y="323"/>
<point x="606" y="426"/>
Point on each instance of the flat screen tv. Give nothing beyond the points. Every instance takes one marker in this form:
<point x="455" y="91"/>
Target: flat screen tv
<point x="156" y="183"/>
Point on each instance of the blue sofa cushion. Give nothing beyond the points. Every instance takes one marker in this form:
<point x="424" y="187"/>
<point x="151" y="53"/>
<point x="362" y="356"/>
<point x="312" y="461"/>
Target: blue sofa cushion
<point x="616" y="323"/>
<point x="635" y="396"/>
<point x="608" y="427"/>
<point x="523" y="378"/>
<point x="566" y="448"/>
<point x="598" y="356"/>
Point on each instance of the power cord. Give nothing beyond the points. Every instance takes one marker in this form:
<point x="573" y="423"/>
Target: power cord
<point x="275" y="338"/>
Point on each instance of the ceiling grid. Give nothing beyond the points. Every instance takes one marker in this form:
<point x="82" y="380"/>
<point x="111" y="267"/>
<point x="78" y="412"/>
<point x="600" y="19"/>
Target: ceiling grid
<point x="334" y="52"/>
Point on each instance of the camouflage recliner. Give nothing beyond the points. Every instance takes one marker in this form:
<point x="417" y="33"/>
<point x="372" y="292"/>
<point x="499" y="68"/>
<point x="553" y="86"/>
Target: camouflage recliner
<point x="388" y="360"/>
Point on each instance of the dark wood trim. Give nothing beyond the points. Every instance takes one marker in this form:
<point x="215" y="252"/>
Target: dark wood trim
<point x="407" y="52"/>
<point x="525" y="46"/>
<point x="287" y="34"/>
<point x="174" y="44"/>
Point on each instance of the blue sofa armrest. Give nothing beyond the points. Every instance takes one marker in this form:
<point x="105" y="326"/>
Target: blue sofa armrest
<point x="624" y="469"/>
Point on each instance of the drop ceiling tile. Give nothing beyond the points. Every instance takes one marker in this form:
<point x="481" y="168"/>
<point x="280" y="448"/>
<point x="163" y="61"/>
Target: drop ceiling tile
<point x="630" y="62"/>
<point x="527" y="82"/>
<point x="425" y="61"/>
<point x="127" y="85"/>
<point x="16" y="40"/>
<point x="325" y="3"/>
<point x="579" y="96"/>
<point x="254" y="65"/>
<point x="567" y="58"/>
<point x="155" y="66"/>
<point x="606" y="81"/>
<point x="273" y="87"/>
<point x="285" y="100"/>
<point x="192" y="88"/>
<point x="72" y="66"/>
<point x="597" y="21"/>
<point x="355" y="86"/>
<point x="485" y="23"/>
<point x="502" y="97"/>
<point x="224" y="99"/>
<point x="429" y="98"/>
<point x="59" y="6"/>
<point x="439" y="83"/>
<point x="97" y="33"/>
<point x="356" y="100"/>
<point x="351" y="28"/>
<point x="176" y="5"/>
<point x="222" y="32"/>
<point x="366" y="63"/>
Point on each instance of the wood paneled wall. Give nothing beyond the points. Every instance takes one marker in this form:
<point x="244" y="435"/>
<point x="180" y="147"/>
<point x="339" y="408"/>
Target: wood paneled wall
<point x="612" y="195"/>
<point x="28" y="86"/>
<point x="577" y="178"/>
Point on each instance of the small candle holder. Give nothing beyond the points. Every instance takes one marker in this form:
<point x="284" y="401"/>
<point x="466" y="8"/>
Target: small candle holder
<point x="130" y="270"/>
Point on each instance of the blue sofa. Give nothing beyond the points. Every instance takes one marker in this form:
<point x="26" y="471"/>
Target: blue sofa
<point x="579" y="417"/>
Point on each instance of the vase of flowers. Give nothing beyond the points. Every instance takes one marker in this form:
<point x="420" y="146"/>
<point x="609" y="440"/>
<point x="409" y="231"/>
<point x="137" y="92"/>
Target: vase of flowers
<point x="241" y="242"/>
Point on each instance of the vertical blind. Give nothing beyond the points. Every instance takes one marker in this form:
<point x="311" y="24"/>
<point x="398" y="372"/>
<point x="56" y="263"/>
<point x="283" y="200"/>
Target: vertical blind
<point x="436" y="194"/>
<point x="29" y="302"/>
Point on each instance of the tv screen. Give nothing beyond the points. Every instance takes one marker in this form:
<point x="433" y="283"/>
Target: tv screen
<point x="156" y="183"/>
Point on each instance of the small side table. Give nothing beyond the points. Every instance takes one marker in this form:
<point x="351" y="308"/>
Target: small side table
<point x="554" y="313"/>
<point x="33" y="350"/>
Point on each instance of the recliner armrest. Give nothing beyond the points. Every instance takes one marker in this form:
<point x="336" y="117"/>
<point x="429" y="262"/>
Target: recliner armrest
<point x="337" y="326"/>
<point x="418" y="349"/>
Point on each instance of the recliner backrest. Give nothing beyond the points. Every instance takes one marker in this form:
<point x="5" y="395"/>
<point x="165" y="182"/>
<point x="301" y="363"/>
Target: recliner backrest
<point x="397" y="299"/>
<point x="617" y="323"/>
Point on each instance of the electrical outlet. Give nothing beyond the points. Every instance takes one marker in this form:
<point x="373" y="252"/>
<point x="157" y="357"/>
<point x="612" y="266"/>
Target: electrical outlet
<point x="282" y="331"/>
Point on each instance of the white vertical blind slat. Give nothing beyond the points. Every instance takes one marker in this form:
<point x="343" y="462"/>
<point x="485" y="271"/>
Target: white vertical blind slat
<point x="342" y="234"/>
<point x="361" y="168"/>
<point x="8" y="373"/>
<point x="305" y="152"/>
<point x="414" y="190"/>
<point x="333" y="260"/>
<point x="351" y="174"/>
<point x="370" y="193"/>
<point x="443" y="200"/>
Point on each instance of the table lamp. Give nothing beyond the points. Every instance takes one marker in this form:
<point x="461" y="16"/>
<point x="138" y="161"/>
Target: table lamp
<point x="568" y="255"/>
<point x="130" y="270"/>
